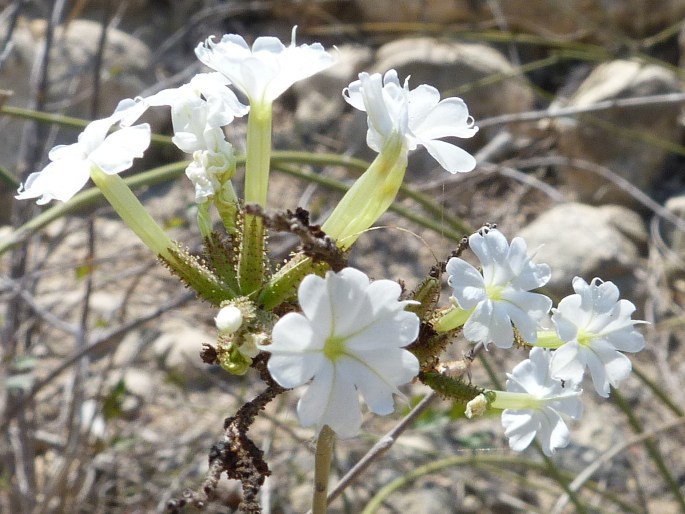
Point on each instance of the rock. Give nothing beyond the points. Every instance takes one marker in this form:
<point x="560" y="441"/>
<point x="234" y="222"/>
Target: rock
<point x="319" y="98"/>
<point x="138" y="382"/>
<point x="92" y="421"/>
<point x="447" y="65"/>
<point x="586" y="241"/>
<point x="601" y="21"/>
<point x="427" y="500"/>
<point x="429" y="11"/>
<point x="178" y="350"/>
<point x="639" y="162"/>
<point x="598" y="21"/>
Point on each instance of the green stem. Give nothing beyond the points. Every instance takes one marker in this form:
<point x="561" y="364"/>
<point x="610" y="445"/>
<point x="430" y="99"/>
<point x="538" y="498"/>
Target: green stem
<point x="251" y="259"/>
<point x="226" y="203"/>
<point x="322" y="469"/>
<point x="514" y="401"/>
<point x="370" y="196"/>
<point x="548" y="339"/>
<point x="257" y="165"/>
<point x="454" y="317"/>
<point x="258" y="158"/>
<point x="133" y="213"/>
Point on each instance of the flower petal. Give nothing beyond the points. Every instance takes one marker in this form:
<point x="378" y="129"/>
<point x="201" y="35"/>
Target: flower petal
<point x="607" y="367"/>
<point x="520" y="428"/>
<point x="568" y="363"/>
<point x="449" y="156"/>
<point x="450" y="117"/>
<point x="377" y="392"/>
<point x="59" y="180"/>
<point x="331" y="401"/>
<point x="118" y="150"/>
<point x="467" y="282"/>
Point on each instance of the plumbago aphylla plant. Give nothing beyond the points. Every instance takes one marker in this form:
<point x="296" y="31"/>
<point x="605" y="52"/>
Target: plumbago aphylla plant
<point x="314" y="321"/>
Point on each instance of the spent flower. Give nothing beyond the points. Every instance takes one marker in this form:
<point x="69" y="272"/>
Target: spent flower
<point x="222" y="105"/>
<point x="348" y="339"/>
<point x="595" y="326"/>
<point x="500" y="295"/>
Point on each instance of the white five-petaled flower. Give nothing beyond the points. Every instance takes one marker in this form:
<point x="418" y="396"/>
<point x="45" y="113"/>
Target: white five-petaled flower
<point x="71" y="165"/>
<point x="417" y="116"/>
<point x="533" y="403"/>
<point x="349" y="339"/>
<point x="595" y="326"/>
<point x="268" y="69"/>
<point x="501" y="295"/>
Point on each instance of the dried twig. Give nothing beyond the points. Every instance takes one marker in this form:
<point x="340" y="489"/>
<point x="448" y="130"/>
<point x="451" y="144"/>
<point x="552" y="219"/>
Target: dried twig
<point x="560" y="112"/>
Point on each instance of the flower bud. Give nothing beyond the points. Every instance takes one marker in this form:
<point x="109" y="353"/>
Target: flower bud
<point x="229" y="319"/>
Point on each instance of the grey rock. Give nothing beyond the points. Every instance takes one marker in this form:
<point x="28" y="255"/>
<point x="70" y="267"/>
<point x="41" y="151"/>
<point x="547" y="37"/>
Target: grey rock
<point x="426" y="500"/>
<point x="593" y="20"/>
<point x="431" y="11"/>
<point x="586" y="241"/>
<point x="447" y="65"/>
<point x="178" y="351"/>
<point x="638" y="161"/>
<point x="319" y="98"/>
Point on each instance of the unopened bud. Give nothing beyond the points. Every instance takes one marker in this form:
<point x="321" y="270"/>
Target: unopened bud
<point x="229" y="319"/>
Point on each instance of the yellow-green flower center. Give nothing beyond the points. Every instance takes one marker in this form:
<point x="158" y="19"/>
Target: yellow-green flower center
<point x="494" y="292"/>
<point x="334" y="348"/>
<point x="585" y="338"/>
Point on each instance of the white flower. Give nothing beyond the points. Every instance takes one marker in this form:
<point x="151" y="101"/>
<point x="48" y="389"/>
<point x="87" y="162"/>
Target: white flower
<point x="266" y="71"/>
<point x="501" y="295"/>
<point x="417" y="116"/>
<point x="71" y="164"/>
<point x="535" y="401"/>
<point x="349" y="339"/>
<point x="596" y="327"/>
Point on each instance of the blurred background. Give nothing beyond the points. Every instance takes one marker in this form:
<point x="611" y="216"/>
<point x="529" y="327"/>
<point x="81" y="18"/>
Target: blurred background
<point x="106" y="406"/>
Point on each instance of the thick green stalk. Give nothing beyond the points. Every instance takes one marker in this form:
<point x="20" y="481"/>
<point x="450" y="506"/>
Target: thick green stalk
<point x="283" y="284"/>
<point x="132" y="212"/>
<point x="548" y="339"/>
<point x="258" y="157"/>
<point x="453" y="318"/>
<point x="322" y="469"/>
<point x="257" y="164"/>
<point x="370" y="196"/>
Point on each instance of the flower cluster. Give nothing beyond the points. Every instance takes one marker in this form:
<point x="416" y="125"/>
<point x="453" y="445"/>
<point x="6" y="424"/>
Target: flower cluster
<point x="353" y="335"/>
<point x="592" y="327"/>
